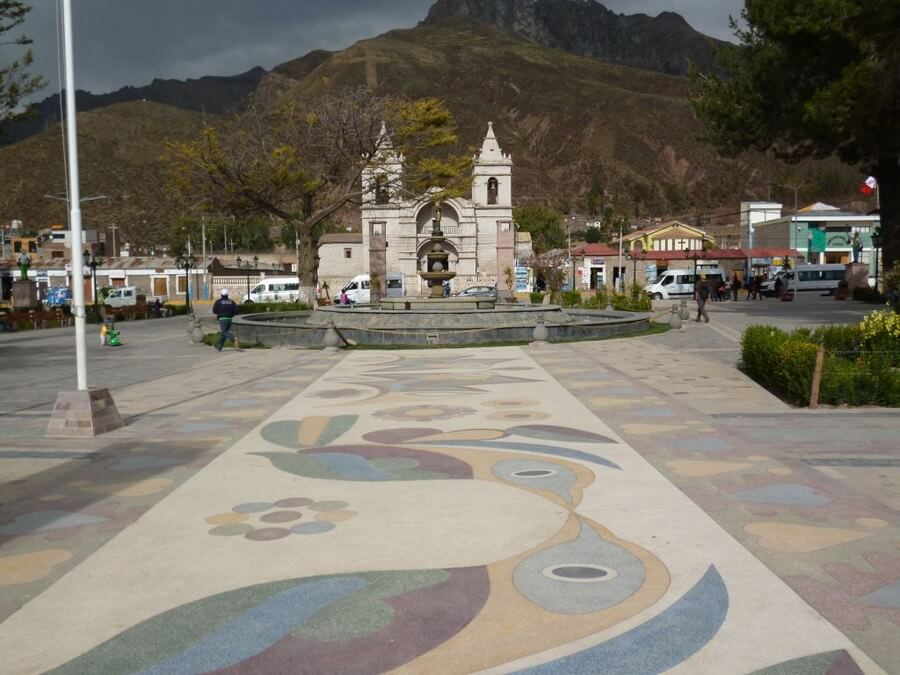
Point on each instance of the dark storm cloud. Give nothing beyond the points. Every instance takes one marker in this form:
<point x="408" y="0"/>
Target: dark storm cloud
<point x="121" y="42"/>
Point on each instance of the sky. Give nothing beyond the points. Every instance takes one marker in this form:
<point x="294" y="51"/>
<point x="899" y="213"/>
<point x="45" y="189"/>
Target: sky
<point x="131" y="42"/>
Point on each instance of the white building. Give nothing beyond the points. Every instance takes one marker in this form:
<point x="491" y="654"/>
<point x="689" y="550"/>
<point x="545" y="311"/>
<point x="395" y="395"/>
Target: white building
<point x="479" y="231"/>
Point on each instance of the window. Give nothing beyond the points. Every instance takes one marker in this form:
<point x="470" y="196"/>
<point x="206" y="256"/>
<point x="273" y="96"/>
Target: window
<point x="668" y="280"/>
<point x="809" y="275"/>
<point x="382" y="193"/>
<point x="348" y="252"/>
<point x="292" y="287"/>
<point x="182" y="284"/>
<point x="835" y="275"/>
<point x="395" y="283"/>
<point x="365" y="284"/>
<point x="493" y="188"/>
<point x="259" y="289"/>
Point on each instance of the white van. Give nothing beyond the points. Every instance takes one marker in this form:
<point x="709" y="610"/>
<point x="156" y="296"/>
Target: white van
<point x="807" y="278"/>
<point x="359" y="293"/>
<point x="125" y="296"/>
<point x="274" y="289"/>
<point x="680" y="283"/>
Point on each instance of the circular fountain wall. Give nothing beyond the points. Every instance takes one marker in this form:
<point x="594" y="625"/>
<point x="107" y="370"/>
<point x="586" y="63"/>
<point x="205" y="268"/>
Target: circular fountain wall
<point x="423" y="322"/>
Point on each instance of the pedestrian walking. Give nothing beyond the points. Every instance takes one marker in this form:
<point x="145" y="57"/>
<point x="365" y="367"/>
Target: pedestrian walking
<point x="104" y="333"/>
<point x="735" y="287"/>
<point x="225" y="310"/>
<point x="701" y="295"/>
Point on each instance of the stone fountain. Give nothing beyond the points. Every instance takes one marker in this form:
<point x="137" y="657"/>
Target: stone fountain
<point x="438" y="260"/>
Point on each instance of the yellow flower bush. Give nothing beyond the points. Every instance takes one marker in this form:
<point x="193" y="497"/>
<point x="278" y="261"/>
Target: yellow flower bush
<point x="881" y="325"/>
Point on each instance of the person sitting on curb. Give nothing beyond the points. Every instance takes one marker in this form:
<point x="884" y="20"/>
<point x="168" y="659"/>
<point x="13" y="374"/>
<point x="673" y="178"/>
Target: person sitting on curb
<point x="224" y="309"/>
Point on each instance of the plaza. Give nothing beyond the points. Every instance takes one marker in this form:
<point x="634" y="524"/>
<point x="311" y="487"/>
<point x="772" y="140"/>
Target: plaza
<point x="624" y="506"/>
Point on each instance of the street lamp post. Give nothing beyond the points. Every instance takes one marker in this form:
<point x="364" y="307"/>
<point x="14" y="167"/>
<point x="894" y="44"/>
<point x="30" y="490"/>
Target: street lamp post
<point x="876" y="244"/>
<point x="245" y="265"/>
<point x="94" y="261"/>
<point x="187" y="264"/>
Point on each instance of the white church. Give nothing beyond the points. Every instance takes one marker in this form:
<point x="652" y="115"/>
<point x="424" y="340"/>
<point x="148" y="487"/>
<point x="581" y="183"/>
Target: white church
<point x="480" y="233"/>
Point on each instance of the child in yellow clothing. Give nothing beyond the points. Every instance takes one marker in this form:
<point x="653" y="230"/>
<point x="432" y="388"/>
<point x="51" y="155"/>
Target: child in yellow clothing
<point x="104" y="331"/>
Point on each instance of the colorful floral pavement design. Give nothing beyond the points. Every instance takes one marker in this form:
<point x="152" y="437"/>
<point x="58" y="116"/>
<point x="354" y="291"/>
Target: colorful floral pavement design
<point x="468" y="514"/>
<point x="839" y="551"/>
<point x="46" y="535"/>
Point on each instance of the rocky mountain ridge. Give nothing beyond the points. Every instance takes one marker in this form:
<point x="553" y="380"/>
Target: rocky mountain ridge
<point x="665" y="43"/>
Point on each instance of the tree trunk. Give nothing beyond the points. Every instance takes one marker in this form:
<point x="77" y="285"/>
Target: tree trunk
<point x="307" y="264"/>
<point x="887" y="172"/>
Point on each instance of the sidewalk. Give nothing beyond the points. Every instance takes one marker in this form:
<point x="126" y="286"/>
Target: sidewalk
<point x="466" y="510"/>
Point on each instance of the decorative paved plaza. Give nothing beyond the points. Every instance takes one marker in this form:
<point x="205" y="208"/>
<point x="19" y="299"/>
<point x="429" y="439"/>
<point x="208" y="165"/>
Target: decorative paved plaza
<point x="451" y="511"/>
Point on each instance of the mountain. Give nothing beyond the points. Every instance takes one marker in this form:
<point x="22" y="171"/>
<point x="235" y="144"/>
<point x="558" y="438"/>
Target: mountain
<point x="665" y="43"/>
<point x="119" y="149"/>
<point x="581" y="132"/>
<point x="216" y="95"/>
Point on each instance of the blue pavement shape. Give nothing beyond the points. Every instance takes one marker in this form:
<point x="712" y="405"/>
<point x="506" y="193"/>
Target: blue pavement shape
<point x="785" y="494"/>
<point x="145" y="462"/>
<point x="533" y="447"/>
<point x="658" y="645"/>
<point x="886" y="596"/>
<point x="350" y="467"/>
<point x="44" y="521"/>
<point x="258" y="628"/>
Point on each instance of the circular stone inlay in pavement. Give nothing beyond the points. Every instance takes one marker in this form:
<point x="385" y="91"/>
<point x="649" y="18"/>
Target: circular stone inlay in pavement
<point x="293" y="502"/>
<point x="252" y="507"/>
<point x="584" y="573"/>
<point x="267" y="534"/>
<point x="281" y="517"/>
<point x="230" y="530"/>
<point x="329" y="506"/>
<point x="533" y="473"/>
<point x="511" y="403"/>
<point x="312" y="528"/>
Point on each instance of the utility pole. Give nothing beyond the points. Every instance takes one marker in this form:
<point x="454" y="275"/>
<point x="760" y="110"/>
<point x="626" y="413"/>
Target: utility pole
<point x="205" y="266"/>
<point x="112" y="228"/>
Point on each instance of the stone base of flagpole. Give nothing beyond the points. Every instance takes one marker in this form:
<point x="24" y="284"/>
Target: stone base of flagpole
<point x="84" y="414"/>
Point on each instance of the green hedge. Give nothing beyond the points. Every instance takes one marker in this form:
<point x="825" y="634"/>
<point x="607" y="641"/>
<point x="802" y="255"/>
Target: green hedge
<point x="852" y="374"/>
<point x="536" y="297"/>
<point x="269" y="307"/>
<point x="868" y="294"/>
<point x="571" y="299"/>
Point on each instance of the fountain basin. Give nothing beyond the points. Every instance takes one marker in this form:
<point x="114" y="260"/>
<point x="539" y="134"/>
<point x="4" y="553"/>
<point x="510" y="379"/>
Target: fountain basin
<point x="435" y="325"/>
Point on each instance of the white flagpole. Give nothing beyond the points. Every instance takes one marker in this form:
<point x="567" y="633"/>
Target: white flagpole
<point x="74" y="202"/>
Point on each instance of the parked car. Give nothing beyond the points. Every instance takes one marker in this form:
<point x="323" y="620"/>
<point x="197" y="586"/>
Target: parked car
<point x="478" y="292"/>
<point x="126" y="296"/>
<point x="274" y="289"/>
<point x="359" y="293"/>
<point x="680" y="283"/>
<point x="808" y="278"/>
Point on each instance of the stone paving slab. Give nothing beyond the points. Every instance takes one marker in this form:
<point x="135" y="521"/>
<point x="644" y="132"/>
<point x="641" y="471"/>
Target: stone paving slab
<point x="61" y="500"/>
<point x="809" y="494"/>
<point x="446" y="511"/>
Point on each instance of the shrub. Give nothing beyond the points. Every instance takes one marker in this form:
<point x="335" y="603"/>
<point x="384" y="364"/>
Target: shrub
<point x="536" y="297"/>
<point x="270" y="307"/>
<point x="571" y="299"/>
<point x="175" y="310"/>
<point x="867" y="294"/>
<point x="597" y="301"/>
<point x="844" y="340"/>
<point x="853" y="373"/>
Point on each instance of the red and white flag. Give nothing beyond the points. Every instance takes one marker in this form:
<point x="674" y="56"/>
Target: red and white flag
<point x="869" y="185"/>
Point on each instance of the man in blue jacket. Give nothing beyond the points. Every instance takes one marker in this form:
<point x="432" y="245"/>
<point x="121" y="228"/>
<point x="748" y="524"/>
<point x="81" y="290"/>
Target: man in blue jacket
<point x="224" y="309"/>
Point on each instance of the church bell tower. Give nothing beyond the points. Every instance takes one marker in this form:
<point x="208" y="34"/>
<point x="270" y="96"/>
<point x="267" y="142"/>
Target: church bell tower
<point x="492" y="174"/>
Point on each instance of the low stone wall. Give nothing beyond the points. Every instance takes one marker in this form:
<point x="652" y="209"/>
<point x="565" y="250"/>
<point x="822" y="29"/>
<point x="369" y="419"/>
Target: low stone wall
<point x="290" y="329"/>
